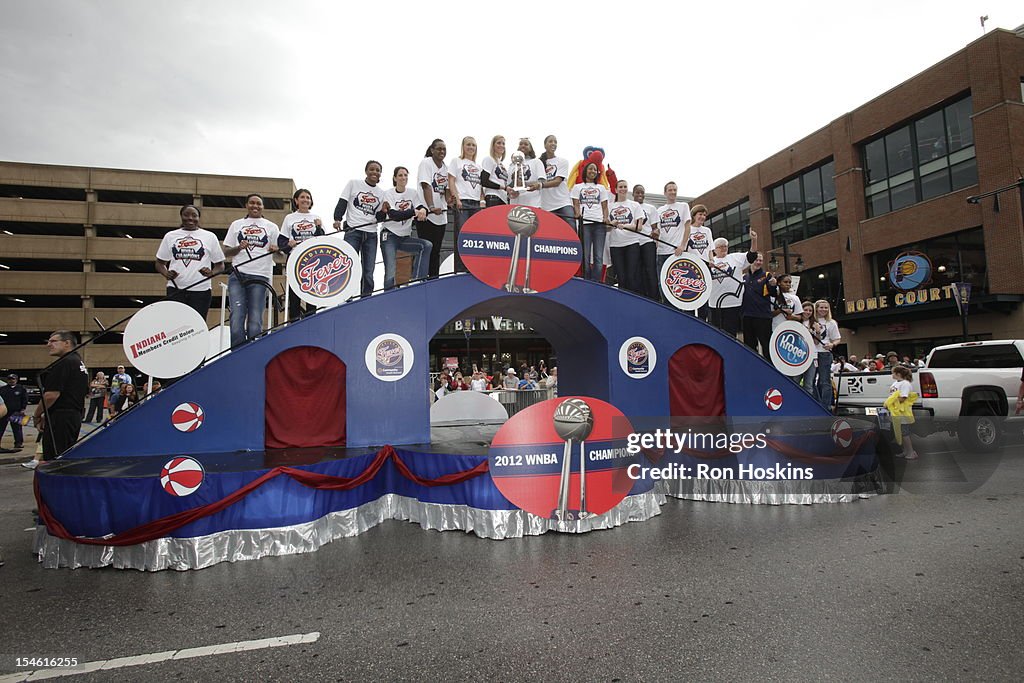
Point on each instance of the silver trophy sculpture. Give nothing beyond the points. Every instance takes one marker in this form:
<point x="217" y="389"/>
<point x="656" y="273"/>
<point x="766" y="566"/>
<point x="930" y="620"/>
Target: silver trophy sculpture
<point x="573" y="422"/>
<point x="517" y="171"/>
<point x="522" y="220"/>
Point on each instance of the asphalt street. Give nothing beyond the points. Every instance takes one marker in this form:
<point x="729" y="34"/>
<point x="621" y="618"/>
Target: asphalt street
<point x="924" y="583"/>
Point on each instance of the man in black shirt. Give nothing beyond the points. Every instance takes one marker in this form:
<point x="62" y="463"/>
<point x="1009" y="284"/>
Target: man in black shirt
<point x="16" y="399"/>
<point x="59" y="413"/>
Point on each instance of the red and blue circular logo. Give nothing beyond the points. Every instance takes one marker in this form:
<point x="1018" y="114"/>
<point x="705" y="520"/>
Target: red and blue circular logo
<point x="519" y="249"/>
<point x="686" y="282"/>
<point x="564" y="459"/>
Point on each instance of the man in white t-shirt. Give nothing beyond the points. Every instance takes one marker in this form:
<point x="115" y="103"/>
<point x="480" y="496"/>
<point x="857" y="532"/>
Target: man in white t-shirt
<point x="672" y="219"/>
<point x="248" y="243"/>
<point x="188" y="258"/>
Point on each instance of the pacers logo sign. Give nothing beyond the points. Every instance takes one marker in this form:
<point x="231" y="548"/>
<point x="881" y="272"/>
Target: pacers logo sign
<point x="321" y="271"/>
<point x="686" y="282"/>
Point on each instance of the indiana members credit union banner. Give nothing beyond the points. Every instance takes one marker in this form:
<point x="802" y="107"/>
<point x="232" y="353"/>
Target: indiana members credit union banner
<point x="564" y="459"/>
<point x="324" y="271"/>
<point x="520" y="249"/>
<point x="166" y="339"/>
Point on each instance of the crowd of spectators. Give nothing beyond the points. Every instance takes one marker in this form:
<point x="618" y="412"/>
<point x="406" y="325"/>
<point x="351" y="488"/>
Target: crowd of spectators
<point x="528" y="378"/>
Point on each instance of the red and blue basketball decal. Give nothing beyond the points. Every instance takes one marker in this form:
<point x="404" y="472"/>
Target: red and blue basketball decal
<point x="188" y="417"/>
<point x="527" y="454"/>
<point x="182" y="476"/>
<point x="842" y="433"/>
<point x="488" y="239"/>
<point x="773" y="399"/>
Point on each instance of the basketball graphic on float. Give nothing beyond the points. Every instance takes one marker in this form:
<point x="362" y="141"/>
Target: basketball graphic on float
<point x="773" y="399"/>
<point x="842" y="433"/>
<point x="182" y="476"/>
<point x="188" y="417"/>
<point x="519" y="249"/>
<point x="564" y="459"/>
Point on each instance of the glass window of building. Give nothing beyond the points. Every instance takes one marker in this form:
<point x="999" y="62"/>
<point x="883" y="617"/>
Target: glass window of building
<point x="824" y="282"/>
<point x="929" y="157"/>
<point x="957" y="257"/>
<point x="805" y="206"/>
<point x="732" y="223"/>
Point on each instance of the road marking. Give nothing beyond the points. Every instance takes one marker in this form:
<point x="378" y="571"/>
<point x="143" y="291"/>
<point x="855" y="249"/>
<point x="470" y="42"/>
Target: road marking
<point x="167" y="655"/>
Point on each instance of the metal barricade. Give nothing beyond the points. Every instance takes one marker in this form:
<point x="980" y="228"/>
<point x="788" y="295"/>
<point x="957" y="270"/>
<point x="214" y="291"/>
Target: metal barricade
<point x="515" y="400"/>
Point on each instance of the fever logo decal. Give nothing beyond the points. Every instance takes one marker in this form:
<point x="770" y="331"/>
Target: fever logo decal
<point x="389" y="357"/>
<point x="321" y="271"/>
<point x="686" y="282"/>
<point x="637" y="357"/>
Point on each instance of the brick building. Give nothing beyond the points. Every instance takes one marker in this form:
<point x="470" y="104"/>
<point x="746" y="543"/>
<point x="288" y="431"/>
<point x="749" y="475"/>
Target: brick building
<point x="888" y="183"/>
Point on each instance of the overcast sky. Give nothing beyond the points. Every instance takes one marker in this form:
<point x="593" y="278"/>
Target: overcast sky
<point x="693" y="92"/>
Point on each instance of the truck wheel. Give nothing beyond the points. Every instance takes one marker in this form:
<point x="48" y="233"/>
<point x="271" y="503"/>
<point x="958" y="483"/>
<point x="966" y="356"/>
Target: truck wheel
<point x="979" y="431"/>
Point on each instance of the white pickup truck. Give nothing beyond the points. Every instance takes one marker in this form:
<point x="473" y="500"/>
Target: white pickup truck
<point x="967" y="389"/>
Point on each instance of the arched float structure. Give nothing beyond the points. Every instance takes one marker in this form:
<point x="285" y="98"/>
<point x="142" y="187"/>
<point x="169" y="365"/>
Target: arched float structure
<point x="585" y="322"/>
<point x="109" y="501"/>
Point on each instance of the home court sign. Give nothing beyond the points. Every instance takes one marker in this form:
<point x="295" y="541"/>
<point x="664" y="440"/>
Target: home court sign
<point x="909" y="273"/>
<point x="901" y="299"/>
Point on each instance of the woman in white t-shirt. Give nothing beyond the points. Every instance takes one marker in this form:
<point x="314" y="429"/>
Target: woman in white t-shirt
<point x="404" y="203"/>
<point x="807" y="320"/>
<point x="494" y="174"/>
<point x="464" y="179"/>
<point x="590" y="205"/>
<point x="626" y="218"/>
<point x="432" y="177"/>
<point x="826" y="333"/>
<point x="554" y="196"/>
<point x="533" y="174"/>
<point x="297" y="227"/>
<point x="787" y="304"/>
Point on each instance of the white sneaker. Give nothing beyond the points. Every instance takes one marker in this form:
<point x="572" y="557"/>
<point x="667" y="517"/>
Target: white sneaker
<point x="30" y="465"/>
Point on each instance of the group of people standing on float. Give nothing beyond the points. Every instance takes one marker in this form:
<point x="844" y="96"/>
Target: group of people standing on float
<point x="639" y="237"/>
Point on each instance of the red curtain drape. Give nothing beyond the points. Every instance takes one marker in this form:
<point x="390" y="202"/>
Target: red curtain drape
<point x="696" y="382"/>
<point x="305" y="404"/>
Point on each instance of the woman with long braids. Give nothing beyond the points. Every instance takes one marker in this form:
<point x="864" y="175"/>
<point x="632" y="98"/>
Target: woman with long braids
<point x="433" y="181"/>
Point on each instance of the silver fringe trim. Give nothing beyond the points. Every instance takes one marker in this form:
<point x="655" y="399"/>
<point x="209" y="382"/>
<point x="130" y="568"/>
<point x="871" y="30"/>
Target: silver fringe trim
<point x="790" y="492"/>
<point x="250" y="544"/>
